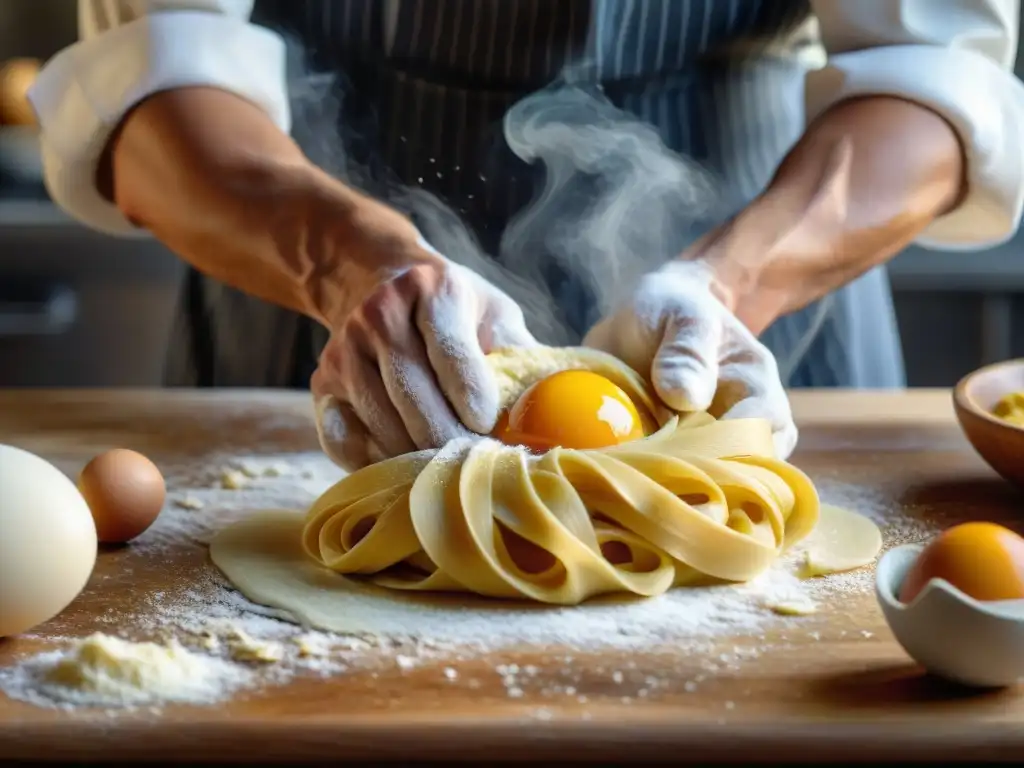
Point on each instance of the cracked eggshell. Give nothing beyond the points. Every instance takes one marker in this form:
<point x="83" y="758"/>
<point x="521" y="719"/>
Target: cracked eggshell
<point x="47" y="541"/>
<point x="950" y="634"/>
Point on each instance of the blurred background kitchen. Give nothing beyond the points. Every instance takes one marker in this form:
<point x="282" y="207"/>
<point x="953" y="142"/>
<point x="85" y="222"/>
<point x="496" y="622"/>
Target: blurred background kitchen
<point x="81" y="309"/>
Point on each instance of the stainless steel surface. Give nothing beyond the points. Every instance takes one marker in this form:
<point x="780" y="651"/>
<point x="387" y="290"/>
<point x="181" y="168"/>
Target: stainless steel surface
<point x="996" y="327"/>
<point x="78" y="308"/>
<point x="997" y="269"/>
<point x="21" y="161"/>
<point x="40" y="307"/>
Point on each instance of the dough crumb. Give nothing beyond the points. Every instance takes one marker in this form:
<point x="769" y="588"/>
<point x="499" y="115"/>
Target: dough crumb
<point x="106" y="670"/>
<point x="796" y="606"/>
<point x="209" y="641"/>
<point x="233" y="480"/>
<point x="311" y="646"/>
<point x="191" y="503"/>
<point x="253" y="471"/>
<point x="249" y="470"/>
<point x="243" y="647"/>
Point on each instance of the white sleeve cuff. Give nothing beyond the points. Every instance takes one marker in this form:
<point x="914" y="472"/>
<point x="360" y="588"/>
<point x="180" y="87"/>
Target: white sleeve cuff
<point x="85" y="91"/>
<point x="984" y="103"/>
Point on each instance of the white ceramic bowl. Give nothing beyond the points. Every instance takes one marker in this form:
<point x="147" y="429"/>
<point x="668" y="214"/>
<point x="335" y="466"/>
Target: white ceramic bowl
<point x="950" y="634"/>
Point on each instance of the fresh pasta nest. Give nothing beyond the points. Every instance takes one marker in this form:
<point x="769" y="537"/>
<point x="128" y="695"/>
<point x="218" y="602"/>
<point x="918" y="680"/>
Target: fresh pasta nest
<point x="698" y="500"/>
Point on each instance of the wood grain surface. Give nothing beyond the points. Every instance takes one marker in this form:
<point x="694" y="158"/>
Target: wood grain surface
<point x="830" y="693"/>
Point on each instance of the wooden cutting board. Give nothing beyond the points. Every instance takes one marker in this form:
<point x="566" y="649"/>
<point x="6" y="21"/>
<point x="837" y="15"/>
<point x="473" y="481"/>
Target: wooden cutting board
<point x="839" y="689"/>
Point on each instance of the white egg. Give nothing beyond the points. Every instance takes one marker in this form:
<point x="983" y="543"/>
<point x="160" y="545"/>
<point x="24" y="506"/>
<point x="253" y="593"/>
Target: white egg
<point x="47" y="541"/>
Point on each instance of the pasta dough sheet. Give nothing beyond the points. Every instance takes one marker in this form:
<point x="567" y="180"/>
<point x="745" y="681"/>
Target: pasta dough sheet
<point x="262" y="556"/>
<point x="842" y="541"/>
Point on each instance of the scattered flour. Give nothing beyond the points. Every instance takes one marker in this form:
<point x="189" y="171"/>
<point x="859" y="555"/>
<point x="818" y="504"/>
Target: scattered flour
<point x="102" y="670"/>
<point x="241" y="645"/>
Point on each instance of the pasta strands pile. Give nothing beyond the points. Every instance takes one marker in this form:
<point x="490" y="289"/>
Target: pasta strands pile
<point x="697" y="501"/>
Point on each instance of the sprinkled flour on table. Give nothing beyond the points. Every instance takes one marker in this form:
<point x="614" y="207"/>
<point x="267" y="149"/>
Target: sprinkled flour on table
<point x="102" y="670"/>
<point x="251" y="644"/>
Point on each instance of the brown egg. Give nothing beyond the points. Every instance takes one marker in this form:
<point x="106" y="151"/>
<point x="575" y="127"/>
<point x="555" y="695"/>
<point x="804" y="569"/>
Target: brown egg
<point x="16" y="77"/>
<point x="125" y="492"/>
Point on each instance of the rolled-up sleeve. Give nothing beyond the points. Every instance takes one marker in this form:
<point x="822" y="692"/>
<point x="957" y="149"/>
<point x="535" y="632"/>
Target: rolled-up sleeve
<point x="131" y="49"/>
<point x="956" y="58"/>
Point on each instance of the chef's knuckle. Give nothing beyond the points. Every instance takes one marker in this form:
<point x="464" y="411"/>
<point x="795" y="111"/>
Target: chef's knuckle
<point x="423" y="279"/>
<point x="382" y="316"/>
<point x="373" y="321"/>
<point x="377" y="305"/>
<point x="355" y="329"/>
<point x="332" y="362"/>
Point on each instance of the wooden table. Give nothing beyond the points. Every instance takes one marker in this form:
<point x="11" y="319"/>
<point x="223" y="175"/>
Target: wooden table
<point x="837" y="698"/>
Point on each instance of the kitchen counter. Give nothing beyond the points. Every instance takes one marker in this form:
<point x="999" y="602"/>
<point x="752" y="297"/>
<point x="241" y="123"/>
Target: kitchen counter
<point x="829" y="686"/>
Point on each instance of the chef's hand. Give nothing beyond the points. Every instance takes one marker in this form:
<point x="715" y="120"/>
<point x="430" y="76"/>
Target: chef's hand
<point x="697" y="354"/>
<point x="404" y="368"/>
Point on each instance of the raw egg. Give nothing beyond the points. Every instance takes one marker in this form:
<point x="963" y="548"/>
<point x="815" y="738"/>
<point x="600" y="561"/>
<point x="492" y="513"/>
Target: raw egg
<point x="983" y="560"/>
<point x="125" y="492"/>
<point x="47" y="541"/>
<point x="571" y="409"/>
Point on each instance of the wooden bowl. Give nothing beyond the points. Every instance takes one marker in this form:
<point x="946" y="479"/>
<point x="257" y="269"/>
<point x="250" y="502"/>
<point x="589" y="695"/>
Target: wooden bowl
<point x="999" y="443"/>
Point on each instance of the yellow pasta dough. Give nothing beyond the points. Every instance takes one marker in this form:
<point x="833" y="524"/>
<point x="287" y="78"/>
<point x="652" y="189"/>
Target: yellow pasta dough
<point x="698" y="500"/>
<point x="1011" y="409"/>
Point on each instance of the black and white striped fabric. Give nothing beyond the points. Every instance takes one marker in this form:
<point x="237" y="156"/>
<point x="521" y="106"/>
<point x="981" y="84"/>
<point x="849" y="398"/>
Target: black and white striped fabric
<point x="426" y="84"/>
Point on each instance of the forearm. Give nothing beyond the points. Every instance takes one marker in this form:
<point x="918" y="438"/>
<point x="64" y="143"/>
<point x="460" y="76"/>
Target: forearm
<point x="866" y="178"/>
<point x="213" y="178"/>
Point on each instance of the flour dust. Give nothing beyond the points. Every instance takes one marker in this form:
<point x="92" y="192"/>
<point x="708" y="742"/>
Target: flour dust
<point x="610" y="200"/>
<point x="252" y="646"/>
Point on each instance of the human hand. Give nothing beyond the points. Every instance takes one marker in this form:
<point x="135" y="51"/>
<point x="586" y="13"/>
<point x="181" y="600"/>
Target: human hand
<point x="405" y="366"/>
<point x="697" y="354"/>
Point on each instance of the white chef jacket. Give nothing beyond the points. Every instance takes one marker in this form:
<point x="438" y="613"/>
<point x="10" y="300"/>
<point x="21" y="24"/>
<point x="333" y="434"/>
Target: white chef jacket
<point x="954" y="56"/>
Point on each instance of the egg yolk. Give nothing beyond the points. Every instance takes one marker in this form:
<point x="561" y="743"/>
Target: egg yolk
<point x="982" y="560"/>
<point x="570" y="409"/>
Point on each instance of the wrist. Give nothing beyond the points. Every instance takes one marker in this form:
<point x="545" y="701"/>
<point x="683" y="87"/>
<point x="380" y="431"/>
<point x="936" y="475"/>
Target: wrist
<point x="862" y="183"/>
<point x="785" y="249"/>
<point x="332" y="237"/>
<point x="743" y="259"/>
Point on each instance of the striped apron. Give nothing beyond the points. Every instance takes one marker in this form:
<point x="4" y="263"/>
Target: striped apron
<point x="411" y="100"/>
